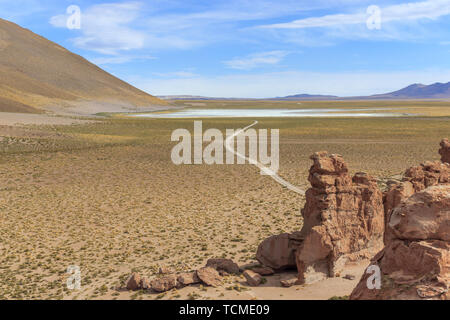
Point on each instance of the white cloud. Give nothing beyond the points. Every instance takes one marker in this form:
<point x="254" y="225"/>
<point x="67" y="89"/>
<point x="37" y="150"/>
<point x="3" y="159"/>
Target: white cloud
<point x="288" y="83"/>
<point x="431" y="9"/>
<point x="104" y="28"/>
<point x="256" y="60"/>
<point x="111" y="28"/>
<point x="407" y="22"/>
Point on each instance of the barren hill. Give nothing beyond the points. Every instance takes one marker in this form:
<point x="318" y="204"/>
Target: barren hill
<point x="35" y="73"/>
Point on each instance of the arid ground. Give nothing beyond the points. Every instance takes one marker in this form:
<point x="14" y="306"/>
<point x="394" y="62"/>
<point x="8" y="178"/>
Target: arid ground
<point x="104" y="195"/>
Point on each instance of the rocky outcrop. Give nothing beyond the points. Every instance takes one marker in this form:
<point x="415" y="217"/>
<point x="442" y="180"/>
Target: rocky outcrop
<point x="415" y="263"/>
<point x="415" y="179"/>
<point x="423" y="216"/>
<point x="343" y="219"/>
<point x="445" y="151"/>
<point x="427" y="174"/>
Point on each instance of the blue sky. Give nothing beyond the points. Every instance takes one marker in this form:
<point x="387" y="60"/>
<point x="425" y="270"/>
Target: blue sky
<point x="253" y="48"/>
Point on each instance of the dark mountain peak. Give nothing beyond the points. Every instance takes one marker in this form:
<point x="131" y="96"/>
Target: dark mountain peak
<point x="436" y="90"/>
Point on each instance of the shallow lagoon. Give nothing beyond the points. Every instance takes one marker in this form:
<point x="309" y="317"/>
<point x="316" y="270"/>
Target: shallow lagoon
<point x="273" y="113"/>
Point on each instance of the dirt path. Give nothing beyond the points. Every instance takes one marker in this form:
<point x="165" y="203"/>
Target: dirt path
<point x="263" y="168"/>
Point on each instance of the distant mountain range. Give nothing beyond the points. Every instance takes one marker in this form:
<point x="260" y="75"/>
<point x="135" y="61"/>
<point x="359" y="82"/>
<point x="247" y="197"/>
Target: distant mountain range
<point x="413" y="92"/>
<point x="418" y="91"/>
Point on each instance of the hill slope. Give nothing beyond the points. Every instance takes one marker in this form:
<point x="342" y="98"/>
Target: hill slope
<point x="35" y="72"/>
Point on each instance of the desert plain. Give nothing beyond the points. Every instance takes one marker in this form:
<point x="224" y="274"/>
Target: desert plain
<point x="102" y="193"/>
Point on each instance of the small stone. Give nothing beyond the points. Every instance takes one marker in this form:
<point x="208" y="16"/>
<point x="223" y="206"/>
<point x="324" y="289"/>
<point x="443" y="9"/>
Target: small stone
<point x="253" y="278"/>
<point x="288" y="283"/>
<point x="226" y="265"/>
<point x="264" y="271"/>
<point x="209" y="276"/>
<point x="349" y="277"/>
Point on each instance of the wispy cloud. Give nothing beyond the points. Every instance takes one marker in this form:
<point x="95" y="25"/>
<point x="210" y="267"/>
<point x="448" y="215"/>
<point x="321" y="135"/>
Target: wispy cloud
<point x="105" y="28"/>
<point x="431" y="9"/>
<point x="257" y="60"/>
<point x="111" y="28"/>
<point x="408" y="22"/>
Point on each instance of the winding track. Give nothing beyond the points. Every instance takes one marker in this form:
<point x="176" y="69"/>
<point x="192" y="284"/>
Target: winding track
<point x="263" y="168"/>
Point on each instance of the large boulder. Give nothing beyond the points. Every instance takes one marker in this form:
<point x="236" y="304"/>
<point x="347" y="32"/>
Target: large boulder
<point x="415" y="263"/>
<point x="277" y="252"/>
<point x="343" y="219"/>
<point x="425" y="215"/>
<point x="415" y="179"/>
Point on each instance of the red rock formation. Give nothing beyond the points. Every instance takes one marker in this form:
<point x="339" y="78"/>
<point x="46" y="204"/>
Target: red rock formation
<point x="343" y="219"/>
<point x="445" y="151"/>
<point x="428" y="174"/>
<point x="415" y="263"/>
<point x="415" y="179"/>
